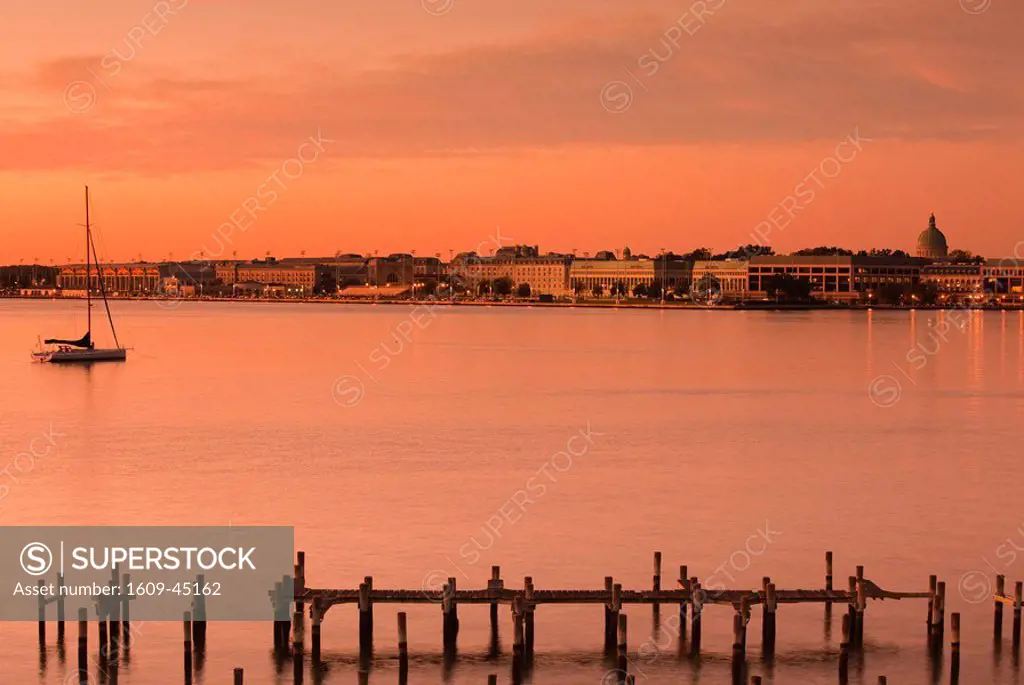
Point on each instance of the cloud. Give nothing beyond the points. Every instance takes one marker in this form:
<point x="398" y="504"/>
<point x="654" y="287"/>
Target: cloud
<point x="774" y="72"/>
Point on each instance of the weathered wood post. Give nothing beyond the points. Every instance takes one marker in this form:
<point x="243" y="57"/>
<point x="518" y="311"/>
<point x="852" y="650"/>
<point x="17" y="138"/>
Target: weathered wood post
<point x="60" y="608"/>
<point x="738" y="656"/>
<point x="828" y="582"/>
<point x="276" y="601"/>
<point x="656" y="584"/>
<point x="623" y="659"/>
<point x="954" y="644"/>
<point x="517" y="640"/>
<point x="528" y="618"/>
<point x="317" y="616"/>
<point x="450" y="617"/>
<point x="101" y="613"/>
<point x="41" y="613"/>
<point x="403" y="644"/>
<point x="997" y="627"/>
<point x="844" y="651"/>
<point x="495" y="585"/>
<point x="940" y="608"/>
<point x="613" y="611"/>
<point x="744" y="608"/>
<point x="1018" y="591"/>
<point x="365" y="628"/>
<point x="684" y="583"/>
<point x="115" y="613"/>
<point x="187" y="629"/>
<point x="126" y="612"/>
<point x="770" y="602"/>
<point x="369" y="606"/>
<point x="695" y="617"/>
<point x="862" y="605"/>
<point x="239" y="676"/>
<point x="609" y="631"/>
<point x="298" y="630"/>
<point x="83" y="645"/>
<point x="492" y="679"/>
<point x="755" y="680"/>
<point x="932" y="589"/>
<point x="882" y="680"/>
<point x="300" y="587"/>
<point x="851" y="609"/>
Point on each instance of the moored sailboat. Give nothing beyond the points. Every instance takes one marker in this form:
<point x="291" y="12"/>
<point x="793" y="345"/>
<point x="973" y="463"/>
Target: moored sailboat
<point x="84" y="350"/>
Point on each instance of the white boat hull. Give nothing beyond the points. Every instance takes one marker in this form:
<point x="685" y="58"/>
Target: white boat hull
<point x="81" y="356"/>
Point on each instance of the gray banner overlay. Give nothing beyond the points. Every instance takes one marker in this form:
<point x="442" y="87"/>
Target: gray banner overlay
<point x="222" y="573"/>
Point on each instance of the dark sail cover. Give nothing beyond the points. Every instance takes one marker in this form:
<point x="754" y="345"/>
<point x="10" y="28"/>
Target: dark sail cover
<point x="85" y="342"/>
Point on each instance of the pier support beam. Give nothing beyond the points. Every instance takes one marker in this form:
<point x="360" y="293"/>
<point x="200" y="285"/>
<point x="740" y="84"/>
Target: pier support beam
<point x="954" y="644"/>
<point x="930" y="619"/>
<point x="517" y="640"/>
<point x="60" y="609"/>
<point x="317" y="617"/>
<point x="770" y="603"/>
<point x="41" y="613"/>
<point x="83" y="645"/>
<point x="187" y="630"/>
<point x="997" y="623"/>
<point x="126" y="612"/>
<point x="609" y="631"/>
<point x="1018" y="591"/>
<point x="844" y="651"/>
<point x="450" y="620"/>
<point x="695" y="617"/>
<point x="862" y="606"/>
<point x="528" y="628"/>
<point x="622" y="651"/>
<point x="684" y="583"/>
<point x="495" y="585"/>
<point x="365" y="622"/>
<point x="613" y="618"/>
<point x="739" y="657"/>
<point x="403" y="646"/>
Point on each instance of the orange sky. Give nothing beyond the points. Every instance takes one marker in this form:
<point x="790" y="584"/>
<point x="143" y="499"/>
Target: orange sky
<point x="578" y="124"/>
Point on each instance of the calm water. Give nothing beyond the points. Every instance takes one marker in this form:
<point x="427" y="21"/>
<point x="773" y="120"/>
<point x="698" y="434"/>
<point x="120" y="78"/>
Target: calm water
<point x="390" y="444"/>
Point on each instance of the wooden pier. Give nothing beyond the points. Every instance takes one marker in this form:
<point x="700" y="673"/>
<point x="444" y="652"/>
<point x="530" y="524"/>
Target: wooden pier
<point x="294" y="601"/>
<point x="688" y="595"/>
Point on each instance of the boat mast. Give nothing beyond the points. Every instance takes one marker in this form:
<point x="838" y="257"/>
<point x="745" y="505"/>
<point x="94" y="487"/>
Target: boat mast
<point x="88" y="273"/>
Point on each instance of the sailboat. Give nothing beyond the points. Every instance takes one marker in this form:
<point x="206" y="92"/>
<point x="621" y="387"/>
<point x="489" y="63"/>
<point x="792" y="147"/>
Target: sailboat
<point x="84" y="350"/>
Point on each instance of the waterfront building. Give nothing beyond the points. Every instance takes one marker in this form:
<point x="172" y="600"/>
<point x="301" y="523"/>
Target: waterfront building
<point x="608" y="271"/>
<point x="726" y="278"/>
<point x="837" y="277"/>
<point x="957" y="280"/>
<point x="294" y="279"/>
<point x="395" y="269"/>
<point x="545" y="274"/>
<point x="931" y="243"/>
<point x="1003" y="279"/>
<point x="118" y="279"/>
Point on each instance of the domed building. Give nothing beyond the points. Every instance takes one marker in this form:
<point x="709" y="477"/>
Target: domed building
<point x="932" y="243"/>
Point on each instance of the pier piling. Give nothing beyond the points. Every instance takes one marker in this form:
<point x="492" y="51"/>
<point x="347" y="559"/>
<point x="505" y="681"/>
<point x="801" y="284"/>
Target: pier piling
<point x="495" y="585"/>
<point x="844" y="651"/>
<point x="609" y="620"/>
<point x="997" y="612"/>
<point x="365" y="629"/>
<point x="517" y="640"/>
<point x="41" y="611"/>
<point x="738" y="656"/>
<point x="528" y="627"/>
<point x="622" y="652"/>
<point x="1018" y="591"/>
<point x="126" y="612"/>
<point x="187" y="630"/>
<point x="932" y="591"/>
<point x="83" y="645"/>
<point x="769" y="620"/>
<point x="954" y="645"/>
<point x="684" y="583"/>
<point x="316" y="614"/>
<point x="695" y="617"/>
<point x="403" y="643"/>
<point x="60" y="608"/>
<point x="239" y="676"/>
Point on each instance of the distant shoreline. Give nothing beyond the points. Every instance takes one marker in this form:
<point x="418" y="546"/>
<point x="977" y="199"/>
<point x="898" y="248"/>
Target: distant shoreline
<point x="171" y="303"/>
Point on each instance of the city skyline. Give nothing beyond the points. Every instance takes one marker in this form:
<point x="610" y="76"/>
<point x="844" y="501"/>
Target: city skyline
<point x="605" y="122"/>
